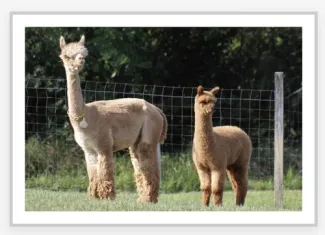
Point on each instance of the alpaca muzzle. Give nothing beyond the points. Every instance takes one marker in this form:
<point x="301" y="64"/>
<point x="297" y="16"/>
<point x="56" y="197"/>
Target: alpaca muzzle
<point x="207" y="111"/>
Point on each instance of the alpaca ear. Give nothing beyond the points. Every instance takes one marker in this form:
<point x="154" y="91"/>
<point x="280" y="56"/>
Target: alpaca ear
<point x="200" y="90"/>
<point x="62" y="42"/>
<point x="82" y="40"/>
<point x="215" y="90"/>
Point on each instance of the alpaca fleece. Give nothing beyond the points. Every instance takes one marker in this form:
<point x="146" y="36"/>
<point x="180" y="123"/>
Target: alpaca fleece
<point x="218" y="151"/>
<point x="112" y="125"/>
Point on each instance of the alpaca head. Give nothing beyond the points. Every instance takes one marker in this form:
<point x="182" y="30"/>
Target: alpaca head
<point x="73" y="54"/>
<point x="205" y="100"/>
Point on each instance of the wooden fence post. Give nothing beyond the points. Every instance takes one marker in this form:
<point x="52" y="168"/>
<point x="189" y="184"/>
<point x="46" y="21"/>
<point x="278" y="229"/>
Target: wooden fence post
<point x="278" y="140"/>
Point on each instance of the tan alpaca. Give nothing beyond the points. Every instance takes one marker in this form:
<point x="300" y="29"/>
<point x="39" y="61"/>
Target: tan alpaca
<point x="103" y="127"/>
<point x="217" y="150"/>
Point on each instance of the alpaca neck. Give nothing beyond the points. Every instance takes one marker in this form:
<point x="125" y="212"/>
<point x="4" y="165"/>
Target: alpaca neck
<point x="75" y="99"/>
<point x="203" y="127"/>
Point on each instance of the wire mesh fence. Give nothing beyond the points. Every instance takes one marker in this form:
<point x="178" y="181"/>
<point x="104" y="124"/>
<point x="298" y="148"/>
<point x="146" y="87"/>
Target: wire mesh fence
<point x="252" y="110"/>
<point x="292" y="143"/>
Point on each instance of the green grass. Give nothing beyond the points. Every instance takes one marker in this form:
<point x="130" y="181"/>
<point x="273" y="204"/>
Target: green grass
<point x="46" y="200"/>
<point x="56" y="180"/>
<point x="52" y="165"/>
<point x="178" y="175"/>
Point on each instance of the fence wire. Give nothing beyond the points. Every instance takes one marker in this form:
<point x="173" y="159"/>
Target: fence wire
<point x="252" y="110"/>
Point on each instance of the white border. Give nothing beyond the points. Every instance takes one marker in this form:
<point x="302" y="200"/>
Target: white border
<point x="20" y="21"/>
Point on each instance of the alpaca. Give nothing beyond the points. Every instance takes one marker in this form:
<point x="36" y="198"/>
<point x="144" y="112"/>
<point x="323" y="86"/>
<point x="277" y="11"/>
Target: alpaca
<point x="103" y="127"/>
<point x="217" y="150"/>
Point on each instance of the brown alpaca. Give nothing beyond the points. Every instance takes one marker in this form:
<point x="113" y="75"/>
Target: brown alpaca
<point x="103" y="127"/>
<point x="217" y="150"/>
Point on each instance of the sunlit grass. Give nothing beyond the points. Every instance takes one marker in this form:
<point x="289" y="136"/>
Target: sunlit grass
<point x="45" y="200"/>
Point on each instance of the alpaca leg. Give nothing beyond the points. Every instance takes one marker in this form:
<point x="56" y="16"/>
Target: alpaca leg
<point x="239" y="179"/>
<point x="159" y="158"/>
<point x="91" y="161"/>
<point x="138" y="176"/>
<point x="149" y="167"/>
<point x="218" y="180"/>
<point x="231" y="177"/>
<point x="106" y="187"/>
<point x="205" y="184"/>
<point x="92" y="188"/>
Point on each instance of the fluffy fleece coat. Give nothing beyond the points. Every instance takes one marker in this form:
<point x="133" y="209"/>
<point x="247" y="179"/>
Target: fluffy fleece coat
<point x="217" y="150"/>
<point x="103" y="127"/>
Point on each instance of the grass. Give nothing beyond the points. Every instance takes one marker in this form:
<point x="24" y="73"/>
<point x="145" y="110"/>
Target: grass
<point x="53" y="165"/>
<point x="46" y="200"/>
<point x="178" y="175"/>
<point x="56" y="180"/>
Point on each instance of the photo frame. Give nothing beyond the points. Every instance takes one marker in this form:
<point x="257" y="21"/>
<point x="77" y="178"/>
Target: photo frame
<point x="306" y="20"/>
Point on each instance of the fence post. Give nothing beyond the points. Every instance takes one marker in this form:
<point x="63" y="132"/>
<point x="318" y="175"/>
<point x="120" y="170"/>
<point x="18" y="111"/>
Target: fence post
<point x="278" y="140"/>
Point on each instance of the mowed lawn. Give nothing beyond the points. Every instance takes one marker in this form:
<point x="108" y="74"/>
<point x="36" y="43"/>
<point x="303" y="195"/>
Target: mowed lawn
<point x="45" y="200"/>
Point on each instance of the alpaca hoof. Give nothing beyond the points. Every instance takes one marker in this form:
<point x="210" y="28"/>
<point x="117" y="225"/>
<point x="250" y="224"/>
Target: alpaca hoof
<point x="147" y="200"/>
<point x="218" y="203"/>
<point x="206" y="201"/>
<point x="106" y="190"/>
